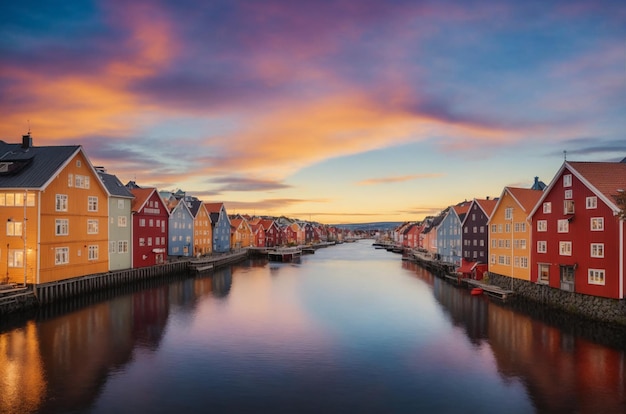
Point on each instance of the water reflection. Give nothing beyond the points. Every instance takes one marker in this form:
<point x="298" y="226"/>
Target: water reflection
<point x="307" y="337"/>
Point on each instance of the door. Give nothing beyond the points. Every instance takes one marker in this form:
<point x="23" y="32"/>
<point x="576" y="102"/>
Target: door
<point x="567" y="278"/>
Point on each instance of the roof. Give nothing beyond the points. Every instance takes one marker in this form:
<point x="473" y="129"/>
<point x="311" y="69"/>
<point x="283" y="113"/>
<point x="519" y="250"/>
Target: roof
<point x="527" y="198"/>
<point x="194" y="206"/>
<point x="487" y="205"/>
<point x="114" y="186"/>
<point x="606" y="177"/>
<point x="141" y="196"/>
<point x="32" y="167"/>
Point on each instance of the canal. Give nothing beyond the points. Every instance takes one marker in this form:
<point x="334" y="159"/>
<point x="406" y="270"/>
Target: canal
<point x="347" y="329"/>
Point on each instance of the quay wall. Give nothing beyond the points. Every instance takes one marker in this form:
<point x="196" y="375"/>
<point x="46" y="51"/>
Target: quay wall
<point x="591" y="307"/>
<point x="48" y="293"/>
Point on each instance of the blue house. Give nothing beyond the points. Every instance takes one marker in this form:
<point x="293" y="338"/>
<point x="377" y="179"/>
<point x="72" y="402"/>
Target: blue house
<point x="220" y="224"/>
<point x="449" y="234"/>
<point x="180" y="231"/>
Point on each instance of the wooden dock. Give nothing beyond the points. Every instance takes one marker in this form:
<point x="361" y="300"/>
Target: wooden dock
<point x="286" y="254"/>
<point x="491" y="290"/>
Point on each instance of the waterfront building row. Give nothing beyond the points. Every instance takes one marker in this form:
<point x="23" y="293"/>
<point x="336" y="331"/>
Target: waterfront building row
<point x="569" y="235"/>
<point x="66" y="218"/>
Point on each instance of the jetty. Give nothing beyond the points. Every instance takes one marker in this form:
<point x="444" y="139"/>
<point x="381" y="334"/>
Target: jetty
<point x="205" y="264"/>
<point x="491" y="290"/>
<point x="285" y="254"/>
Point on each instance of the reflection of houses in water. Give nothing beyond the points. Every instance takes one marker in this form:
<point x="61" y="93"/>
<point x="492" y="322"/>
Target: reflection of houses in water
<point x="222" y="280"/>
<point x="150" y="313"/>
<point x="568" y="373"/>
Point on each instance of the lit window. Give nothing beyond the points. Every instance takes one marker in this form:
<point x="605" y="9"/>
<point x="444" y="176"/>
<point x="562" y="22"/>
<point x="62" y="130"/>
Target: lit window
<point x="92" y="226"/>
<point x="565" y="248"/>
<point x="544" y="273"/>
<point x="14" y="228"/>
<point x="568" y="206"/>
<point x="596" y="276"/>
<point x="16" y="258"/>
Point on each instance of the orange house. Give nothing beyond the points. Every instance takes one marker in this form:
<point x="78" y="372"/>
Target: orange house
<point x="202" y="234"/>
<point x="55" y="212"/>
<point x="510" y="232"/>
<point x="241" y="233"/>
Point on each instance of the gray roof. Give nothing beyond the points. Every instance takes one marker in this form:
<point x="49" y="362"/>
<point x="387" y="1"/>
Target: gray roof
<point x="194" y="206"/>
<point x="114" y="186"/>
<point x="31" y="167"/>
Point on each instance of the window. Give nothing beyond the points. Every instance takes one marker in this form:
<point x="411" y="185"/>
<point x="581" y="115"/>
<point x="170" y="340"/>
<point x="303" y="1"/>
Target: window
<point x="523" y="262"/>
<point x="507" y="243"/>
<point x="494" y="228"/>
<point x="14" y="228"/>
<point x="494" y="243"/>
<point x="568" y="194"/>
<point x="120" y="204"/>
<point x="92" y="226"/>
<point x="61" y="255"/>
<point x="516" y="261"/>
<point x="482" y="229"/>
<point x="122" y="246"/>
<point x="474" y="229"/>
<point x="70" y="180"/>
<point x="499" y="228"/>
<point x="544" y="273"/>
<point x="547" y="207"/>
<point x="507" y="260"/>
<point x="78" y="164"/>
<point x="597" y="249"/>
<point x="493" y="259"/>
<point x="16" y="258"/>
<point x="567" y="180"/>
<point x="121" y="221"/>
<point x="507" y="228"/>
<point x="508" y="213"/>
<point x="149" y="241"/>
<point x="568" y="206"/>
<point x="542" y="225"/>
<point x="597" y="223"/>
<point x="112" y="247"/>
<point x="501" y="259"/>
<point x="92" y="252"/>
<point x="522" y="244"/>
<point x="62" y="227"/>
<point x="596" y="276"/>
<point x="92" y="203"/>
<point x="151" y="223"/>
<point x="61" y="204"/>
<point x="142" y="241"/>
<point x="142" y="222"/>
<point x="591" y="203"/>
<point x="563" y="226"/>
<point x="79" y="181"/>
<point x="565" y="248"/>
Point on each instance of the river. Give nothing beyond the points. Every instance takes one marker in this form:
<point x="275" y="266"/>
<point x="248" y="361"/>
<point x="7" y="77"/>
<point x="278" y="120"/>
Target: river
<point x="349" y="329"/>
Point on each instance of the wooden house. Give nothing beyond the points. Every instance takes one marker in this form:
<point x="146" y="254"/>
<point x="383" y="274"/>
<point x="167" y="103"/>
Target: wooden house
<point x="449" y="234"/>
<point x="119" y="223"/>
<point x="180" y="230"/>
<point x="475" y="234"/>
<point x="510" y="232"/>
<point x="241" y="233"/>
<point x="579" y="232"/>
<point x="150" y="227"/>
<point x="220" y="227"/>
<point x="54" y="209"/>
<point x="202" y="238"/>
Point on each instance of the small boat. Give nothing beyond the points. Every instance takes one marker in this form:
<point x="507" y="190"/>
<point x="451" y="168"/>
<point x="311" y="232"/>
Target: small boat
<point x="476" y="291"/>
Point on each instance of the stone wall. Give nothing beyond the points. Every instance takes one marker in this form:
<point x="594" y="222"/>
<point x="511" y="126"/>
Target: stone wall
<point x="592" y="307"/>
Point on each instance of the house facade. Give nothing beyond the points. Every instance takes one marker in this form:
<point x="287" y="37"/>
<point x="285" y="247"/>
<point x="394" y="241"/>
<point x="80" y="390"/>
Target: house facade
<point x="202" y="235"/>
<point x="272" y="233"/>
<point x="475" y="233"/>
<point x="449" y="234"/>
<point x="180" y="229"/>
<point x="54" y="209"/>
<point x="220" y="227"/>
<point x="510" y="233"/>
<point x="579" y="239"/>
<point x="150" y="227"/>
<point x="120" y="219"/>
<point x="241" y="233"/>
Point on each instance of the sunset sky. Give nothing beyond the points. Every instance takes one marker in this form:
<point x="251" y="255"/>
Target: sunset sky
<point x="332" y="111"/>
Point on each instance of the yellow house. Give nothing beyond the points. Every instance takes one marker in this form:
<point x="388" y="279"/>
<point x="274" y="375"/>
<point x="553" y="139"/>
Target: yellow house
<point x="241" y="233"/>
<point x="510" y="233"/>
<point x="202" y="234"/>
<point x="55" y="212"/>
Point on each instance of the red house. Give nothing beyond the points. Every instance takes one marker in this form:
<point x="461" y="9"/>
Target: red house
<point x="258" y="234"/>
<point x="150" y="227"/>
<point x="579" y="240"/>
<point x="272" y="233"/>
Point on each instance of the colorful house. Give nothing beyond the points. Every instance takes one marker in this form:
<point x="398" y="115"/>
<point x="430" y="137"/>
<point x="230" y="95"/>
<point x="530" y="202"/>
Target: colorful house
<point x="150" y="227"/>
<point x="120" y="219"/>
<point x="180" y="230"/>
<point x="258" y="234"/>
<point x="54" y="209"/>
<point x="202" y="238"/>
<point x="429" y="236"/>
<point x="475" y="233"/>
<point x="241" y="233"/>
<point x="449" y="234"/>
<point x="272" y="233"/>
<point x="220" y="227"/>
<point x="510" y="232"/>
<point x="579" y="237"/>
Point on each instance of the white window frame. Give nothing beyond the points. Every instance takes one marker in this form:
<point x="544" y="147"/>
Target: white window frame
<point x="122" y="221"/>
<point x="596" y="224"/>
<point x="15" y="258"/>
<point x="597" y="250"/>
<point x="92" y="226"/>
<point x="93" y="252"/>
<point x="61" y="227"/>
<point x="568" y="207"/>
<point x="122" y="246"/>
<point x="591" y="202"/>
<point x="563" y="226"/>
<point x="565" y="248"/>
<point x="14" y="228"/>
<point x="567" y="180"/>
<point x="542" y="225"/>
<point x="543" y="269"/>
<point x="547" y="207"/>
<point x="569" y="194"/>
<point x="92" y="203"/>
<point x="596" y="277"/>
<point x="61" y="202"/>
<point x="61" y="255"/>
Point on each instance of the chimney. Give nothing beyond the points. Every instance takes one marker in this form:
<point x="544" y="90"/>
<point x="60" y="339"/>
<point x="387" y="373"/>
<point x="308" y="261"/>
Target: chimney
<point x="27" y="141"/>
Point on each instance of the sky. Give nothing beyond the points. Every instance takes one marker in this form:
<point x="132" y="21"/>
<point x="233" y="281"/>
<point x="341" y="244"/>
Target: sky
<point x="330" y="111"/>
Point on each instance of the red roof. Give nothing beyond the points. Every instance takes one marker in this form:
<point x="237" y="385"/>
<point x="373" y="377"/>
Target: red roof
<point x="606" y="177"/>
<point x="525" y="197"/>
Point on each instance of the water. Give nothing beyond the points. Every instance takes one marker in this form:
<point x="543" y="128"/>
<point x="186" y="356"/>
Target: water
<point x="348" y="329"/>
